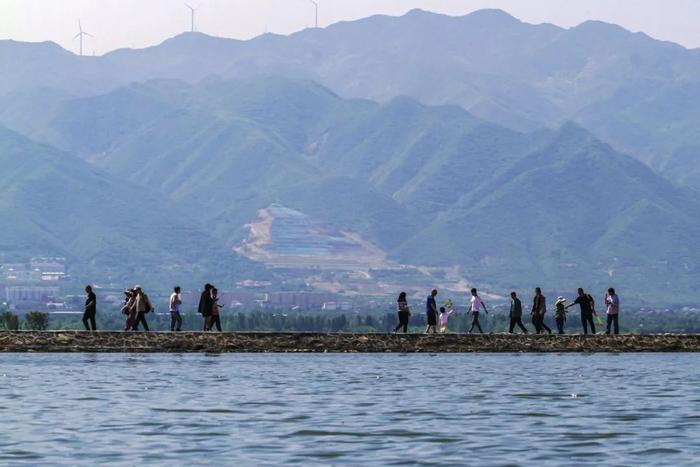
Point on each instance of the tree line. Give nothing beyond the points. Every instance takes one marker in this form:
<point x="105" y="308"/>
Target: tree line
<point x="269" y="321"/>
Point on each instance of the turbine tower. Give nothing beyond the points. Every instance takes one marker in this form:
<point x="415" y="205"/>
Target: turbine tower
<point x="192" y="10"/>
<point x="80" y="35"/>
<point x="315" y="3"/>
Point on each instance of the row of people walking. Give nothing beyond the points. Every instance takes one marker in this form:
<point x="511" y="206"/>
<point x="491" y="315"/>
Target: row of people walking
<point x="438" y="318"/>
<point x="586" y="304"/>
<point x="137" y="305"/>
<point x="209" y="308"/>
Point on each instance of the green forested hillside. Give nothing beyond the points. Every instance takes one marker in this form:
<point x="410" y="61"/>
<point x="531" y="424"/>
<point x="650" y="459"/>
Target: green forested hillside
<point x="110" y="228"/>
<point x="428" y="185"/>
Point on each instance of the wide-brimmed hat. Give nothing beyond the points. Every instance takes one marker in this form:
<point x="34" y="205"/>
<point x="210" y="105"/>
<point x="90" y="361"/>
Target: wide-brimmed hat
<point x="560" y="299"/>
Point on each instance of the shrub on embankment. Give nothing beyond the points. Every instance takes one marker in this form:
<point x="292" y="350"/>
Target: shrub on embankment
<point x="34" y="320"/>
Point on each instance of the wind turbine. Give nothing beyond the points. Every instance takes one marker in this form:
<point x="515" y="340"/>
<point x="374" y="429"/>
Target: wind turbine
<point x="80" y="35"/>
<point x="192" y="10"/>
<point x="315" y="3"/>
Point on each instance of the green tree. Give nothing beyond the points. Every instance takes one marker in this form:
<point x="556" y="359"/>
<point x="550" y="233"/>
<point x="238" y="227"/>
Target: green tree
<point x="9" y="321"/>
<point x="37" y="321"/>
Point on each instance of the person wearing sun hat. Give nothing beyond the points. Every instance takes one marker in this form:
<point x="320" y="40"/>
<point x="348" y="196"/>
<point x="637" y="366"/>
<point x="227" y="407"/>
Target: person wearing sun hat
<point x="560" y="313"/>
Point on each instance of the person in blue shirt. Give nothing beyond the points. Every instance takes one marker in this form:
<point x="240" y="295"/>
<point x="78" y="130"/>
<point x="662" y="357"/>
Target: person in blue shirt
<point x="431" y="312"/>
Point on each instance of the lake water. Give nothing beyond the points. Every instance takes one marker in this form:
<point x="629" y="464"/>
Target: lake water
<point x="242" y="409"/>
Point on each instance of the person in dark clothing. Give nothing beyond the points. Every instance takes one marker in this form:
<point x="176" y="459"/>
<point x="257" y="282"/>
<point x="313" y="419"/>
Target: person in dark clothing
<point x="90" y="309"/>
<point x="584" y="302"/>
<point x="431" y="312"/>
<point x="142" y="306"/>
<point x="539" y="308"/>
<point x="404" y="313"/>
<point x="215" y="319"/>
<point x="205" y="306"/>
<point x="516" y="313"/>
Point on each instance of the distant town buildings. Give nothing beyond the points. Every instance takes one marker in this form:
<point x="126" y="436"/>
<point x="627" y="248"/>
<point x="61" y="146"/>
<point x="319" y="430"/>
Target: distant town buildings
<point x="25" y="285"/>
<point x="36" y="297"/>
<point x="337" y="306"/>
<point x="37" y="270"/>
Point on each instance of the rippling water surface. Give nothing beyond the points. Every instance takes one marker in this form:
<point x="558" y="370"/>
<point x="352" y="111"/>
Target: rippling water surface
<point x="481" y="409"/>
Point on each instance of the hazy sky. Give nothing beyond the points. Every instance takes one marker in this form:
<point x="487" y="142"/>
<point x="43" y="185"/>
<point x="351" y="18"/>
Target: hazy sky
<point x="140" y="23"/>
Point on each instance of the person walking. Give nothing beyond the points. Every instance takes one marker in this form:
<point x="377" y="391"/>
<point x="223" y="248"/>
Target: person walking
<point x="404" y="313"/>
<point x="142" y="305"/>
<point x="584" y="301"/>
<point x="475" y="306"/>
<point x="443" y="318"/>
<point x="516" y="314"/>
<point x="539" y="308"/>
<point x="431" y="312"/>
<point x="612" y="303"/>
<point x="204" y="308"/>
<point x="128" y="309"/>
<point x="215" y="307"/>
<point x="175" y="303"/>
<point x="90" y="309"/>
<point x="560" y="314"/>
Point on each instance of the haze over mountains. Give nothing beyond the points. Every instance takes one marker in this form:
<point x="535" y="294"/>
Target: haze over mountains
<point x="521" y="153"/>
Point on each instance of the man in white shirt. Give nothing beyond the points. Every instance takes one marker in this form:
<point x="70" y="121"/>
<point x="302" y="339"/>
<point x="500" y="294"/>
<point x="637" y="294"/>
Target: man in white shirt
<point x="175" y="302"/>
<point x="475" y="308"/>
<point x="612" y="302"/>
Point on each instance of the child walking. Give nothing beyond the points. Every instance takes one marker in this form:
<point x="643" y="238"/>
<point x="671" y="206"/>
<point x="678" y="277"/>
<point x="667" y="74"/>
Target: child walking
<point x="442" y="319"/>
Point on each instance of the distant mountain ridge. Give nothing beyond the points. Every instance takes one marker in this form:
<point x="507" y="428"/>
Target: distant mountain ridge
<point x="613" y="82"/>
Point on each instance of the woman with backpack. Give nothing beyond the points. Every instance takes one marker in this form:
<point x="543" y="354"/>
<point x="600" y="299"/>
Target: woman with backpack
<point x="141" y="306"/>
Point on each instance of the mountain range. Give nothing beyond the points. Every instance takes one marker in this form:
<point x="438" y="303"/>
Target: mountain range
<point x="523" y="154"/>
<point x="637" y="93"/>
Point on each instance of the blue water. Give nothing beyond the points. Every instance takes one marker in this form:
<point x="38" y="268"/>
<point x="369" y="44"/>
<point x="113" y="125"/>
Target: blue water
<point x="238" y="409"/>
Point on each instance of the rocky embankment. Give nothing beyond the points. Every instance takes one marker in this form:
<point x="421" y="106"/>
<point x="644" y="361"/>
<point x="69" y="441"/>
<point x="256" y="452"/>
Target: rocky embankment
<point x="105" y="341"/>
